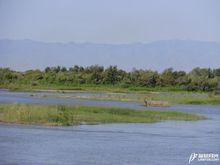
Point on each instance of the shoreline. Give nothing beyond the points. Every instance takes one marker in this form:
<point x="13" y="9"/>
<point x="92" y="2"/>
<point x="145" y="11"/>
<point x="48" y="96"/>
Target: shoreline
<point x="189" y="98"/>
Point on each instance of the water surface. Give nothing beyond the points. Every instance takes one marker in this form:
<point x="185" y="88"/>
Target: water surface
<point x="169" y="142"/>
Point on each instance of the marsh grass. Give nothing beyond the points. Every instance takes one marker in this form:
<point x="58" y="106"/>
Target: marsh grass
<point x="188" y="98"/>
<point x="77" y="114"/>
<point x="173" y="95"/>
<point x="169" y="97"/>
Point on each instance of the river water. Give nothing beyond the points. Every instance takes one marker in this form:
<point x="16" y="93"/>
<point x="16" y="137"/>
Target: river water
<point x="170" y="142"/>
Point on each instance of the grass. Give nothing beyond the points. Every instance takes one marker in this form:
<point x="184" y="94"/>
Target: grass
<point x="74" y="115"/>
<point x="173" y="95"/>
<point x="87" y="87"/>
<point x="187" y="98"/>
<point x="169" y="97"/>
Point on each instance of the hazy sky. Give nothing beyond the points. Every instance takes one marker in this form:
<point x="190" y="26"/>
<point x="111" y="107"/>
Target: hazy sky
<point x="110" y="21"/>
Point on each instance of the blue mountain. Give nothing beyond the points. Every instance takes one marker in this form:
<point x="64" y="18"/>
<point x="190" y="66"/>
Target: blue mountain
<point x="179" y="54"/>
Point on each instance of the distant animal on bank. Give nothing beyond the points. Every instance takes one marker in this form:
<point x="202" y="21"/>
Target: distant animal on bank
<point x="156" y="103"/>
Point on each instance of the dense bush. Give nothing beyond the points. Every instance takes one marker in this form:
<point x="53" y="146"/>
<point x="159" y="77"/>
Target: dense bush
<point x="199" y="79"/>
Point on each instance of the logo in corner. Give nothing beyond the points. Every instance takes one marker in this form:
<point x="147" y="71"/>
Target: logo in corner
<point x="192" y="157"/>
<point x="203" y="157"/>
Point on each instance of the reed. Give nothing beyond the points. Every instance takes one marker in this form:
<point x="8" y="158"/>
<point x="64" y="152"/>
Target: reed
<point x="77" y="114"/>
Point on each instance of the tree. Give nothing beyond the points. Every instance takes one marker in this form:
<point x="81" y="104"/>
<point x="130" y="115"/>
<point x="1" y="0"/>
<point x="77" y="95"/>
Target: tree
<point x="111" y="75"/>
<point x="218" y="88"/>
<point x="201" y="79"/>
<point x="216" y="72"/>
<point x="33" y="75"/>
<point x="47" y="69"/>
<point x="8" y="76"/>
<point x="167" y="77"/>
<point x="60" y="77"/>
<point x="63" y="69"/>
<point x="204" y="79"/>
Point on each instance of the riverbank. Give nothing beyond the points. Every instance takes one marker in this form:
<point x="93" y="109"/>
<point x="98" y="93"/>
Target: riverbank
<point x="172" y="97"/>
<point x="88" y="87"/>
<point x="75" y="115"/>
<point x="169" y="97"/>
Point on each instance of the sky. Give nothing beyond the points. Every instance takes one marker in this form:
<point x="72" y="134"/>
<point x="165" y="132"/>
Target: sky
<point x="110" y="21"/>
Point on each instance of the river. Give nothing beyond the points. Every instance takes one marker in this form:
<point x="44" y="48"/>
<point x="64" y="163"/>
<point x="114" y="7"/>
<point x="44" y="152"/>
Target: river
<point x="170" y="142"/>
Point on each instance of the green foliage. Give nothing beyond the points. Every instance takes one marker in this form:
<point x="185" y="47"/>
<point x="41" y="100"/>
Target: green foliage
<point x="73" y="115"/>
<point x="199" y="79"/>
<point x="112" y="75"/>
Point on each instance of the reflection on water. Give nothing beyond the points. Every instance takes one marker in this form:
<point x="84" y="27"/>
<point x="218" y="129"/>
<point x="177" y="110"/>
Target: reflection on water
<point x="169" y="142"/>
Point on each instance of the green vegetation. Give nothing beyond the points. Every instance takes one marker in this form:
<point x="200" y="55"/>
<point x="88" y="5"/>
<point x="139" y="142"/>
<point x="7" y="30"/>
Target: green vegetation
<point x="74" y="115"/>
<point x="97" y="78"/>
<point x="191" y="98"/>
<point x="180" y="97"/>
<point x="175" y="87"/>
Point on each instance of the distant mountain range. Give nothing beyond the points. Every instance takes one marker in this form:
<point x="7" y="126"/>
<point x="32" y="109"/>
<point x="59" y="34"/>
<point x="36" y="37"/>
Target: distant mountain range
<point x="179" y="54"/>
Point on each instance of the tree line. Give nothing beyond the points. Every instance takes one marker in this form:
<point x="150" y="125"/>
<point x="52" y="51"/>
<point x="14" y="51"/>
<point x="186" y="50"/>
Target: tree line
<point x="198" y="79"/>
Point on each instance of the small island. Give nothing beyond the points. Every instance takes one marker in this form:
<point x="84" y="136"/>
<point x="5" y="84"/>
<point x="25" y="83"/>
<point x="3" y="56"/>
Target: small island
<point x="55" y="115"/>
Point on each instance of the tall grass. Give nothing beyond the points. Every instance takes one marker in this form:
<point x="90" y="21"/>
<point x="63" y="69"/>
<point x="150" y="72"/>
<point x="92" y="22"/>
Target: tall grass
<point x="74" y="115"/>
